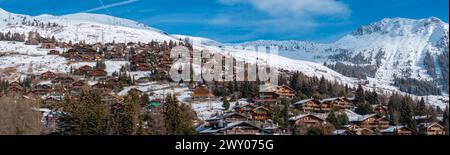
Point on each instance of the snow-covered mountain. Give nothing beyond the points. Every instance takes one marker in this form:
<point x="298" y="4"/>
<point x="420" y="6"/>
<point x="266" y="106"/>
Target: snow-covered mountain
<point x="86" y="27"/>
<point x="396" y="47"/>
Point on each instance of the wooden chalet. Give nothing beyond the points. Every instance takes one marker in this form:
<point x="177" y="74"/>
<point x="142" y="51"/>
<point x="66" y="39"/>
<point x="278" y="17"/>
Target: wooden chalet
<point x="53" y="52"/>
<point x="308" y="105"/>
<point x="98" y="73"/>
<point x="219" y="121"/>
<point x="78" y="84"/>
<point x="323" y="106"/>
<point x="143" y="67"/>
<point x="165" y="62"/>
<point x="47" y="44"/>
<point x="33" y="38"/>
<point x="63" y="80"/>
<point x="83" y="54"/>
<point x="116" y="56"/>
<point x="373" y="121"/>
<point x="15" y="87"/>
<point x="236" y="128"/>
<point x="201" y="93"/>
<point x="260" y="113"/>
<point x="398" y="130"/>
<point x="306" y="119"/>
<point x="41" y="89"/>
<point x="431" y="129"/>
<point x="272" y="94"/>
<point x="83" y="70"/>
<point x="357" y="130"/>
<point x="340" y="102"/>
<point x="234" y="117"/>
<point x="51" y="101"/>
<point x="138" y="58"/>
<point x="48" y="75"/>
<point x="245" y="108"/>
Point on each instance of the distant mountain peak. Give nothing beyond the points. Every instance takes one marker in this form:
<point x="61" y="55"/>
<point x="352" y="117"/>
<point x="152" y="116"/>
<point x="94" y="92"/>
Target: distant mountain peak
<point x="401" y="26"/>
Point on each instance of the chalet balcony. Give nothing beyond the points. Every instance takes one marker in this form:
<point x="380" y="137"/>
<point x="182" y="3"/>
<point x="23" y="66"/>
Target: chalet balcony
<point x="308" y="108"/>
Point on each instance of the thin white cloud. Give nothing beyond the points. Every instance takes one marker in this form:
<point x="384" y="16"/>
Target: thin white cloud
<point x="297" y="8"/>
<point x="110" y="5"/>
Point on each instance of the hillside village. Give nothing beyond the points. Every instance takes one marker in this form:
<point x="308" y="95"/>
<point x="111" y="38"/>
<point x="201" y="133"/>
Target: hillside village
<point x="130" y="82"/>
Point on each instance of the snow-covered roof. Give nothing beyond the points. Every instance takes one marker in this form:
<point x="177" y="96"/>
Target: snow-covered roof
<point x="329" y="99"/>
<point x="340" y="132"/>
<point x="302" y="101"/>
<point x="392" y="129"/>
<point x="231" y="125"/>
<point x="301" y="116"/>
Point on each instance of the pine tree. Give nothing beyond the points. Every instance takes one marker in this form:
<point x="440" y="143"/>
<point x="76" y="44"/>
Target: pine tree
<point x="337" y="118"/>
<point x="145" y="99"/>
<point x="363" y="108"/>
<point x="333" y="119"/>
<point x="176" y="118"/>
<point x="53" y="40"/>
<point x="294" y="81"/>
<point x="372" y="98"/>
<point x="129" y="115"/>
<point x="406" y="114"/>
<point x="360" y="96"/>
<point x="394" y="106"/>
<point x="285" y="111"/>
<point x="421" y="108"/>
<point x="87" y="117"/>
<point x="226" y="103"/>
<point x="323" y="86"/>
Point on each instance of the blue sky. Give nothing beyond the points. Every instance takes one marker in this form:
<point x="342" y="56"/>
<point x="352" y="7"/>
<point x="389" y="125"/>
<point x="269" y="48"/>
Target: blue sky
<point x="244" y="20"/>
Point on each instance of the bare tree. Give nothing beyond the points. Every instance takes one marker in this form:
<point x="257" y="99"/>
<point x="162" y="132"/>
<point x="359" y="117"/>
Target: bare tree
<point x="18" y="116"/>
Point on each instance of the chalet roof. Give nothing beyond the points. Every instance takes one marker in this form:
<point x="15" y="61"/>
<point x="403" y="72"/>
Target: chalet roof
<point x="85" y="67"/>
<point x="365" y="117"/>
<point x="233" y="114"/>
<point x="47" y="72"/>
<point x="427" y="125"/>
<point x="98" y="72"/>
<point x="317" y="101"/>
<point x="392" y="129"/>
<point x="275" y="88"/>
<point x="340" y="132"/>
<point x="78" y="83"/>
<point x="244" y="104"/>
<point x="201" y="91"/>
<point x="232" y="125"/>
<point x="42" y="86"/>
<point x="219" y="117"/>
<point x="302" y="116"/>
<point x="305" y="101"/>
<point x="334" y="98"/>
<point x="261" y="107"/>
